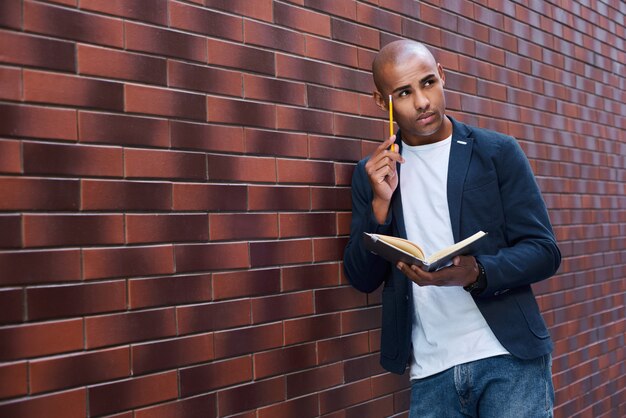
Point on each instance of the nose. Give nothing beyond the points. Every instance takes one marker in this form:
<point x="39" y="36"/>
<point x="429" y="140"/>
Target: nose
<point x="421" y="101"/>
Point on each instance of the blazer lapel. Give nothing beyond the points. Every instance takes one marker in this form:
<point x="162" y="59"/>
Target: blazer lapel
<point x="460" y="154"/>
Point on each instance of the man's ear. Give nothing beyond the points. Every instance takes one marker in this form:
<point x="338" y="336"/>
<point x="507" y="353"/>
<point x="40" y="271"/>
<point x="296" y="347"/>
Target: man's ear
<point x="380" y="100"/>
<point x="442" y="75"/>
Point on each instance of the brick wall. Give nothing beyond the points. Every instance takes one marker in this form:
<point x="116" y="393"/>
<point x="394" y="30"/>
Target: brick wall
<point x="174" y="196"/>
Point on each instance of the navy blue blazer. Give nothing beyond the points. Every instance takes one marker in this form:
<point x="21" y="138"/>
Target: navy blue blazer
<point x="491" y="188"/>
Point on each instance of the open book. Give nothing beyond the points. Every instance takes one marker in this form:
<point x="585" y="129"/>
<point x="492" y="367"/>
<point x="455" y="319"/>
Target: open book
<point x="396" y="249"/>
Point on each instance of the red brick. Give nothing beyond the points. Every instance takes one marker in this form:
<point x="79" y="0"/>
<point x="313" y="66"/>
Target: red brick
<point x="13" y="380"/>
<point x="248" y="340"/>
<point x="38" y="122"/>
<point x="307" y="172"/>
<point x="342" y="348"/>
<point x="209" y="197"/>
<point x="75" y="300"/>
<point x="276" y="143"/>
<point x="10" y="83"/>
<point x="240" y="57"/>
<point x="274" y="308"/>
<point x="332" y="99"/>
<point x="126" y="195"/>
<point x="297" y="68"/>
<point x="26" y="49"/>
<point x="27" y="267"/>
<point x="204" y="257"/>
<point x="34" y="340"/>
<point x="284" y="360"/>
<point x="72" y="230"/>
<point x="344" y="396"/>
<point x="294" y="225"/>
<point x="124" y="328"/>
<point x="11" y="14"/>
<point x="305" y="120"/>
<point x="310" y="277"/>
<point x="72" y="160"/>
<point x="239" y="168"/>
<point x="127" y="261"/>
<point x="168" y="354"/>
<point x="251" y="396"/>
<point x="121" y="65"/>
<point x="71" y="24"/>
<point x="242" y="226"/>
<point x="364" y="366"/>
<point x="271" y="253"/>
<point x="360" y="320"/>
<point x="164" y="164"/>
<point x="330" y="51"/>
<point x="163" y="102"/>
<point x="215" y="375"/>
<point x="377" y="17"/>
<point x="358" y="127"/>
<point x="314" y="380"/>
<point x="344" y="298"/>
<point x="331" y="198"/>
<point x="123" y="130"/>
<point x="132" y="393"/>
<point x="79" y="369"/>
<point x="10" y="155"/>
<point x="262" y="34"/>
<point x="245" y="283"/>
<point x="359" y="81"/>
<point x="312" y="328"/>
<point x="204" y="406"/>
<point x="274" y="90"/>
<point x="304" y="407"/>
<point x="154" y="11"/>
<point x="355" y="34"/>
<point x="69" y="90"/>
<point x="279" y="198"/>
<point x="241" y="112"/>
<point x="302" y="20"/>
<point x="142" y="228"/>
<point x="11" y="227"/>
<point x="176" y="290"/>
<point x="207" y="137"/>
<point x="260" y="9"/>
<point x="205" y="21"/>
<point x="12" y="302"/>
<point x="204" y="79"/>
<point x="165" y="42"/>
<point x="343" y="223"/>
<point x="70" y="404"/>
<point x="213" y="316"/>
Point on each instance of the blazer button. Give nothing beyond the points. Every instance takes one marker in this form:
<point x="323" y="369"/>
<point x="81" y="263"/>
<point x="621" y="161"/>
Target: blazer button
<point x="500" y="292"/>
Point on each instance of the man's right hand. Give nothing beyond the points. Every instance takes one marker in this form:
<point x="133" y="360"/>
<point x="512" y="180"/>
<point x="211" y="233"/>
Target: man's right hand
<point x="383" y="176"/>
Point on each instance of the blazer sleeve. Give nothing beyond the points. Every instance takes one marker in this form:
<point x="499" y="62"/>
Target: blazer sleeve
<point x="530" y="253"/>
<point x="364" y="270"/>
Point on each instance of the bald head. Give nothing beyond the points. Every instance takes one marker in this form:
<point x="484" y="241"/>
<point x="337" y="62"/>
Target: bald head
<point x="397" y="52"/>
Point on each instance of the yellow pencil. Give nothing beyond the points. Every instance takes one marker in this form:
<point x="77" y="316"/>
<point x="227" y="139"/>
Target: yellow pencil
<point x="393" y="146"/>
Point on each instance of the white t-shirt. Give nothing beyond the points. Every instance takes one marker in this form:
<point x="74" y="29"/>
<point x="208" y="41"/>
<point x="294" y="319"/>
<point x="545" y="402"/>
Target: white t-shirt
<point x="448" y="328"/>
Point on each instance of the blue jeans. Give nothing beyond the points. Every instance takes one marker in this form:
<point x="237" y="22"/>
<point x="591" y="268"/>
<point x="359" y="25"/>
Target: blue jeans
<point x="498" y="387"/>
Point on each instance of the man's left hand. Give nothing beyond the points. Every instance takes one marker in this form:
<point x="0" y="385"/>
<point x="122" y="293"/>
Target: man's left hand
<point x="462" y="272"/>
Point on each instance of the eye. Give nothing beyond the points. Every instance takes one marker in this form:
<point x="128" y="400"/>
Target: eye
<point x="403" y="93"/>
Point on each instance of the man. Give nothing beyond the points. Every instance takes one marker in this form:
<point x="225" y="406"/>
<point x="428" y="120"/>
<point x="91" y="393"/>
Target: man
<point x="471" y="332"/>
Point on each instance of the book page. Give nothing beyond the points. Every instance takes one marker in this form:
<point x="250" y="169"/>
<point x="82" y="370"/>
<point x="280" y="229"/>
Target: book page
<point x="455" y="247"/>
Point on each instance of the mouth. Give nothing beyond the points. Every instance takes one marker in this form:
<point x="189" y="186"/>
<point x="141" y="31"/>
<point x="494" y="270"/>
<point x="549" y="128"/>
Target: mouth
<point x="426" y="118"/>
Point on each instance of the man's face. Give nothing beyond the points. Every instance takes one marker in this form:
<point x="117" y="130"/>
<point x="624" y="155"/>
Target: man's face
<point x="416" y="85"/>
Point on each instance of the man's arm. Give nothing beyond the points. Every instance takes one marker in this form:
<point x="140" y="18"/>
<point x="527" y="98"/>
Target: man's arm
<point x="364" y="270"/>
<point x="532" y="253"/>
